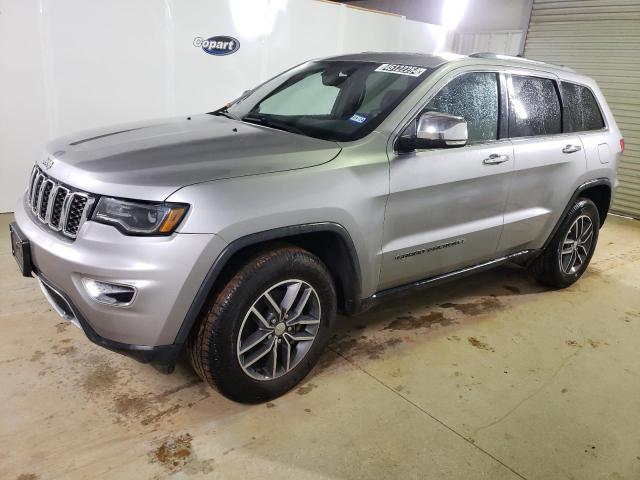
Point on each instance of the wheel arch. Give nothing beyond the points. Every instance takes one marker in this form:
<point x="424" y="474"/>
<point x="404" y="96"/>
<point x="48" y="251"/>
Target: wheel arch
<point x="329" y="241"/>
<point x="599" y="194"/>
<point x="598" y="191"/>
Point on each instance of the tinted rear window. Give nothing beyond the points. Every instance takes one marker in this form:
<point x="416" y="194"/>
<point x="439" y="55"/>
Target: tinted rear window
<point x="534" y="107"/>
<point x="581" y="111"/>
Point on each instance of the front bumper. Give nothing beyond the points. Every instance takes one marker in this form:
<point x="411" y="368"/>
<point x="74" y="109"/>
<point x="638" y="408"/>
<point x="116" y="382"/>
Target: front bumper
<point x="162" y="355"/>
<point x="166" y="271"/>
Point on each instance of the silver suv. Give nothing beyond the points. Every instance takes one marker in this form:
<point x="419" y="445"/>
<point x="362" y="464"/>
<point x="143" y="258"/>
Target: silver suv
<point x="239" y="233"/>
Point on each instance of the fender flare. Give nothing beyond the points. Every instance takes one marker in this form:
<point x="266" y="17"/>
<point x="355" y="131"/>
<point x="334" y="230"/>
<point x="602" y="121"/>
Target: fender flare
<point x="253" y="239"/>
<point x="574" y="197"/>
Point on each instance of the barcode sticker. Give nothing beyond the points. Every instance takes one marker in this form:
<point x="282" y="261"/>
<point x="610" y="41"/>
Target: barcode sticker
<point x="409" y="70"/>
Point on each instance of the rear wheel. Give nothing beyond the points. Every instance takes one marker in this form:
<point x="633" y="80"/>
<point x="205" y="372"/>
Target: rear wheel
<point x="568" y="254"/>
<point x="267" y="327"/>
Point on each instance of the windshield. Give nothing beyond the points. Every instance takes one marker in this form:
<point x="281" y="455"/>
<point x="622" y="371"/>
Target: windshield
<point x="332" y="100"/>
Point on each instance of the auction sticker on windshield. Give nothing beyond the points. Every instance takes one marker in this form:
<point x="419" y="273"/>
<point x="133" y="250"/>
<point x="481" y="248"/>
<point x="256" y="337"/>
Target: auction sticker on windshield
<point x="401" y="69"/>
<point x="358" y="118"/>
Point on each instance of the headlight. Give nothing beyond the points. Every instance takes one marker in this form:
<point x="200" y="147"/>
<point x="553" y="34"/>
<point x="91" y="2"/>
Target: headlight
<point x="139" y="218"/>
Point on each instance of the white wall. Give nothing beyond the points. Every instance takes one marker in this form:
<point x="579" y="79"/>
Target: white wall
<point x="479" y="15"/>
<point x="68" y="65"/>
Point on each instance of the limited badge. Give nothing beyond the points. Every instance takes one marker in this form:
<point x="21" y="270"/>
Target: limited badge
<point x="409" y="70"/>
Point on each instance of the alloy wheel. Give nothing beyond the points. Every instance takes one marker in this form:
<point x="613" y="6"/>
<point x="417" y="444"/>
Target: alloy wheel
<point x="576" y="245"/>
<point x="278" y="329"/>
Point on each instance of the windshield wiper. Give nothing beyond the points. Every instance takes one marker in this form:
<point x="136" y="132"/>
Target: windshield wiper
<point x="269" y="122"/>
<point x="223" y="112"/>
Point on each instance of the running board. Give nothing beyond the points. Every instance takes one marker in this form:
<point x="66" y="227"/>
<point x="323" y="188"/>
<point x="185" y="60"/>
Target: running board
<point x="445" y="277"/>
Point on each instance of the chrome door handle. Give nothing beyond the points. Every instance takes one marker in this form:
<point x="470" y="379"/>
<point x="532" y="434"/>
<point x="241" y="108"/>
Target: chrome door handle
<point x="571" y="149"/>
<point x="495" y="159"/>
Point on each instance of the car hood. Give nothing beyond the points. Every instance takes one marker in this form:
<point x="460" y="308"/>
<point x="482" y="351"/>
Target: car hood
<point x="151" y="160"/>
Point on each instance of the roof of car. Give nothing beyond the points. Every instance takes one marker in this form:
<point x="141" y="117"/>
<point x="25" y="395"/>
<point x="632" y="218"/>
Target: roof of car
<point x="415" y="59"/>
<point x="435" y="60"/>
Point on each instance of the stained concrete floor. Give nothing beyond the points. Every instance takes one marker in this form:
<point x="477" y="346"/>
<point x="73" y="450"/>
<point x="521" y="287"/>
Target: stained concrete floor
<point x="489" y="377"/>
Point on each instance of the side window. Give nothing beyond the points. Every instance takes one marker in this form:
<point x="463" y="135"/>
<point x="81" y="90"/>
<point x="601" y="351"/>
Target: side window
<point x="534" y="107"/>
<point x="581" y="109"/>
<point x="474" y="97"/>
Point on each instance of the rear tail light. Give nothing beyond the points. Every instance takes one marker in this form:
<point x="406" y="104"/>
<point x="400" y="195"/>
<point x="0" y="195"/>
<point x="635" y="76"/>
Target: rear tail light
<point x="621" y="145"/>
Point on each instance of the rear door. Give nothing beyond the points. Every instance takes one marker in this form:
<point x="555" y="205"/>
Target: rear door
<point x="547" y="161"/>
<point x="446" y="205"/>
<point x="583" y="116"/>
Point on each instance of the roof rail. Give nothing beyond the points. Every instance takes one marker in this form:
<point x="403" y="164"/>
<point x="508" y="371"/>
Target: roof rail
<point x="491" y="55"/>
<point x="497" y="56"/>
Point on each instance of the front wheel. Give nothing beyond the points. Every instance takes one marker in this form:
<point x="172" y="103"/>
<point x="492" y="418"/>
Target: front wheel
<point x="267" y="327"/>
<point x="568" y="254"/>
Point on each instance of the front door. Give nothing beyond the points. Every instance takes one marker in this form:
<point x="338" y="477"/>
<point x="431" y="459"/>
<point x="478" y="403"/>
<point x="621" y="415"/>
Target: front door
<point x="445" y="208"/>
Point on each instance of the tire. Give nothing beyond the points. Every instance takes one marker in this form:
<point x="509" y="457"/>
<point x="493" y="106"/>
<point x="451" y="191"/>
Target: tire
<point x="240" y="313"/>
<point x="553" y="267"/>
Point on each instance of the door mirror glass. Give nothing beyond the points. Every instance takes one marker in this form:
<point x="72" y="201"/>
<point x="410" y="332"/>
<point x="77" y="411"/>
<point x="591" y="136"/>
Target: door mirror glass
<point x="434" y="130"/>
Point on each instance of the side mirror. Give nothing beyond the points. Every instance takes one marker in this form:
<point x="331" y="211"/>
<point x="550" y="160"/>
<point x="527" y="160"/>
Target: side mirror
<point x="434" y="130"/>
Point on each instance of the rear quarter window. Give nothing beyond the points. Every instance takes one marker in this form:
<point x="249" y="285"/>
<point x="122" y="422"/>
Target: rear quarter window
<point x="581" y="110"/>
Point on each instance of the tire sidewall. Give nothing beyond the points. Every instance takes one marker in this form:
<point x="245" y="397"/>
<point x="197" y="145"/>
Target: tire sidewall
<point x="229" y="376"/>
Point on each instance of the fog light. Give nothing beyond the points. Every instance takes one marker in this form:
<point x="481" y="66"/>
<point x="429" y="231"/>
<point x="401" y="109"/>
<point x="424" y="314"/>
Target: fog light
<point x="113" y="294"/>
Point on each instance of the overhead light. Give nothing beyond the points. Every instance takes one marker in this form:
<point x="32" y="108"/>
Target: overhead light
<point x="452" y="13"/>
<point x="256" y="18"/>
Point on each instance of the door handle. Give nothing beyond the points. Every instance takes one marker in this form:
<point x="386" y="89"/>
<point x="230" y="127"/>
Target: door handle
<point x="571" y="149"/>
<point x="495" y="159"/>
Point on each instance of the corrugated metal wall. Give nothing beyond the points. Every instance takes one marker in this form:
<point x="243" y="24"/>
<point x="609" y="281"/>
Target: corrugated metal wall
<point x="505" y="42"/>
<point x="600" y="38"/>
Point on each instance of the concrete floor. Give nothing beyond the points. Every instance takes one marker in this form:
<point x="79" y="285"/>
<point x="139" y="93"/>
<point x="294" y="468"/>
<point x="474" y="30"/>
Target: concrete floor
<point x="490" y="377"/>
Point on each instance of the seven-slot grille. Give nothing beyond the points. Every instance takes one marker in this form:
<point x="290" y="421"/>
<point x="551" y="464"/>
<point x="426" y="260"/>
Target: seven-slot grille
<point x="62" y="209"/>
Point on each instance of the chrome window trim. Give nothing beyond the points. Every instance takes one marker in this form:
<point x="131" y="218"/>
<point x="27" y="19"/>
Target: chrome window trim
<point x="557" y="135"/>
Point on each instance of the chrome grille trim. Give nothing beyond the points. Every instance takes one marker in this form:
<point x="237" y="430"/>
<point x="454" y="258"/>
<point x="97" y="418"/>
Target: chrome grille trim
<point x="44" y="196"/>
<point x="75" y="213"/>
<point x="37" y="184"/>
<point x="34" y="173"/>
<point x="56" y="220"/>
<point x="45" y="199"/>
